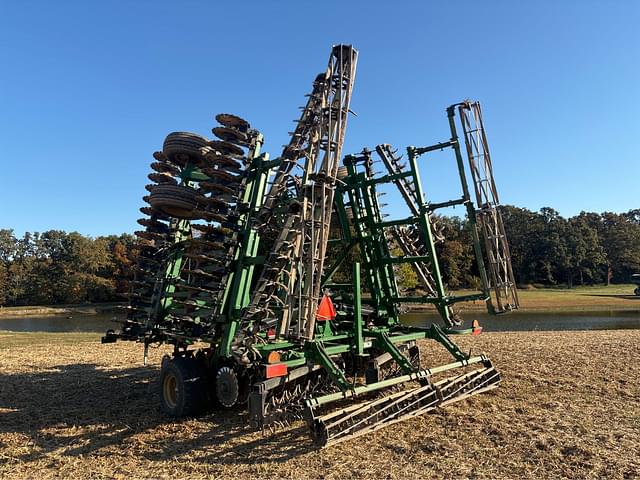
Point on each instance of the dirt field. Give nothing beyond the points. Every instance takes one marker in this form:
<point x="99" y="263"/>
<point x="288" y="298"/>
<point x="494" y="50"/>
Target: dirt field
<point x="569" y="406"/>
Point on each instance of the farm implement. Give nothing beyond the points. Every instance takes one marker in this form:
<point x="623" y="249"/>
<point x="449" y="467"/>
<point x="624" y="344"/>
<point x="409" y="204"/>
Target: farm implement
<point x="276" y="280"/>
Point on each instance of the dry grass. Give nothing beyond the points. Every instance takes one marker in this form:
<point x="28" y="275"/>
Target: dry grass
<point x="77" y="309"/>
<point x="613" y="297"/>
<point x="569" y="406"/>
<point x="15" y="339"/>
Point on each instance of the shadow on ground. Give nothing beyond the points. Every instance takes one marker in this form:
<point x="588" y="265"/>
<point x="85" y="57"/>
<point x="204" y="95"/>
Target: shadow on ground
<point x="83" y="409"/>
<point x="612" y="295"/>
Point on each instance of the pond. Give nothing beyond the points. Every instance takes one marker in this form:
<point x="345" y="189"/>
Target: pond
<point x="60" y="323"/>
<point x="517" y="321"/>
<point x="527" y="321"/>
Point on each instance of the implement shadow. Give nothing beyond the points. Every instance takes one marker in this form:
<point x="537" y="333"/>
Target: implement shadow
<point x="85" y="409"/>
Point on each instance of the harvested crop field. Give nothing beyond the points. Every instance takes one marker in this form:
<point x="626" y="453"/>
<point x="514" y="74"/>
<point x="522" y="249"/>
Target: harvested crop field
<point x="569" y="406"/>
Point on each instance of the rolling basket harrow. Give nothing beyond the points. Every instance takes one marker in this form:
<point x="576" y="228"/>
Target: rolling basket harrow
<point x="254" y="270"/>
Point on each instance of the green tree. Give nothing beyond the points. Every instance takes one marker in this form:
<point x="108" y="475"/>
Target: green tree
<point x="586" y="254"/>
<point x="455" y="253"/>
<point x="4" y="274"/>
<point x="524" y="230"/>
<point x="621" y="241"/>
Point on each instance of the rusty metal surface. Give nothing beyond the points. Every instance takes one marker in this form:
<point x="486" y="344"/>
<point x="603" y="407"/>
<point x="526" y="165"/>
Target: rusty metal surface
<point x="305" y="180"/>
<point x="488" y="215"/>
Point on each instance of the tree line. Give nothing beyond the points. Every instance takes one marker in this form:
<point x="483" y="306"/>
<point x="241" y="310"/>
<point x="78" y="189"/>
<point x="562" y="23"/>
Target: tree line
<point x="548" y="249"/>
<point x="56" y="267"/>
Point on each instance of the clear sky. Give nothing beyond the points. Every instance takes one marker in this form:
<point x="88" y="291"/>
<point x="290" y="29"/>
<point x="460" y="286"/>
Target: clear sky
<point x="88" y="90"/>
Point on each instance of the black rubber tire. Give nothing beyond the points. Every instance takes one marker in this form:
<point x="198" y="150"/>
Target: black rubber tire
<point x="187" y="379"/>
<point x="177" y="201"/>
<point x="183" y="143"/>
<point x="637" y="291"/>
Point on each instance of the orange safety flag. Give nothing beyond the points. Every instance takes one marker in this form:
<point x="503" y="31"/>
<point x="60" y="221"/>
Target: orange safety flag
<point x="326" y="310"/>
<point x="476" y="329"/>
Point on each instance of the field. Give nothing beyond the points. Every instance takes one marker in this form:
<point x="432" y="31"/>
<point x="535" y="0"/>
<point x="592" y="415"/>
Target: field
<point x="76" y="309"/>
<point x="569" y="406"/>
<point x="612" y="297"/>
<point x="580" y="298"/>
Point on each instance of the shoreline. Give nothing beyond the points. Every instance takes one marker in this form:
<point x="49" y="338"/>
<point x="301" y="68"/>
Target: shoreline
<point x="45" y="310"/>
<point x="97" y="309"/>
<point x="579" y="299"/>
<point x="537" y="309"/>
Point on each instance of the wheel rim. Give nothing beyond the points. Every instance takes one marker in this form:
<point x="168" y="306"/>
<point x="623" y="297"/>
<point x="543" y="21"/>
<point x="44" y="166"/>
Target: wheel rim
<point x="227" y="389"/>
<point x="170" y="390"/>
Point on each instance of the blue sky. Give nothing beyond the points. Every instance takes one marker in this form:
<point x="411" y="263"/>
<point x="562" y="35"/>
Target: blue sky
<point x="88" y="91"/>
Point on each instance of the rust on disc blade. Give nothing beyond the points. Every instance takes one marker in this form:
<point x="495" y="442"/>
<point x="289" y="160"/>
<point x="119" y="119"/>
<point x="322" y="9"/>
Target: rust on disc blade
<point x="231" y="135"/>
<point x="221" y="175"/>
<point x="210" y="229"/>
<point x="230" y="120"/>
<point x="226" y="148"/>
<point x="215" y="202"/>
<point x="162" y="178"/>
<point x="223" y="161"/>
<point x="153" y="213"/>
<point x="216" y="187"/>
<point x="165" y="167"/>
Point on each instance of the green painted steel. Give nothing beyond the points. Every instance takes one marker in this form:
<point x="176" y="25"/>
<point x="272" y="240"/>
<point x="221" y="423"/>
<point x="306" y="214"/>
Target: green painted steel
<point x="423" y="374"/>
<point x="361" y="277"/>
<point x="425" y="224"/>
<point x="357" y="310"/>
<point x="471" y="213"/>
<point x="236" y="294"/>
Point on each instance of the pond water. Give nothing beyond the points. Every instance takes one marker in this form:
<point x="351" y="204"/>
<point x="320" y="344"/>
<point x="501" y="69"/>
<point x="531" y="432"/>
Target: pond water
<point x="60" y="323"/>
<point x="527" y="321"/>
<point x="517" y="321"/>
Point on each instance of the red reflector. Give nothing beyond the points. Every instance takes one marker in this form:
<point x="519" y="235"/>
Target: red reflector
<point x="326" y="310"/>
<point x="276" y="370"/>
<point x="476" y="329"/>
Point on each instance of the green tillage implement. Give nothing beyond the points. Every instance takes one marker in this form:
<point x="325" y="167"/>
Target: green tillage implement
<point x="360" y="369"/>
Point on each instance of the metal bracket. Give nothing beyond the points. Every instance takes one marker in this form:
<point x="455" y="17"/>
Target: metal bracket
<point x="320" y="355"/>
<point x="385" y="343"/>
<point x="436" y="333"/>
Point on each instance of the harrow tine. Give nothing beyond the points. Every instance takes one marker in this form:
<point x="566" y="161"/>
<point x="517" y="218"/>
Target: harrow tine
<point x="366" y="417"/>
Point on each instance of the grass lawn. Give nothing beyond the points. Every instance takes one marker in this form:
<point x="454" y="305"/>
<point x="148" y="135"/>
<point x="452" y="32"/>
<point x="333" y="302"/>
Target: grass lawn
<point x="36" y="310"/>
<point x="613" y="297"/>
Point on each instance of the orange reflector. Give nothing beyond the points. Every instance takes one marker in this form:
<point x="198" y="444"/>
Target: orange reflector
<point x="273" y="357"/>
<point x="326" y="310"/>
<point x="276" y="370"/>
<point x="476" y="329"/>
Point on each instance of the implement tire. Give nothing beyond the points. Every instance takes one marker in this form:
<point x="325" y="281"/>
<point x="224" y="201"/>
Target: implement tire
<point x="183" y="387"/>
<point x="178" y="201"/>
<point x="178" y="144"/>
